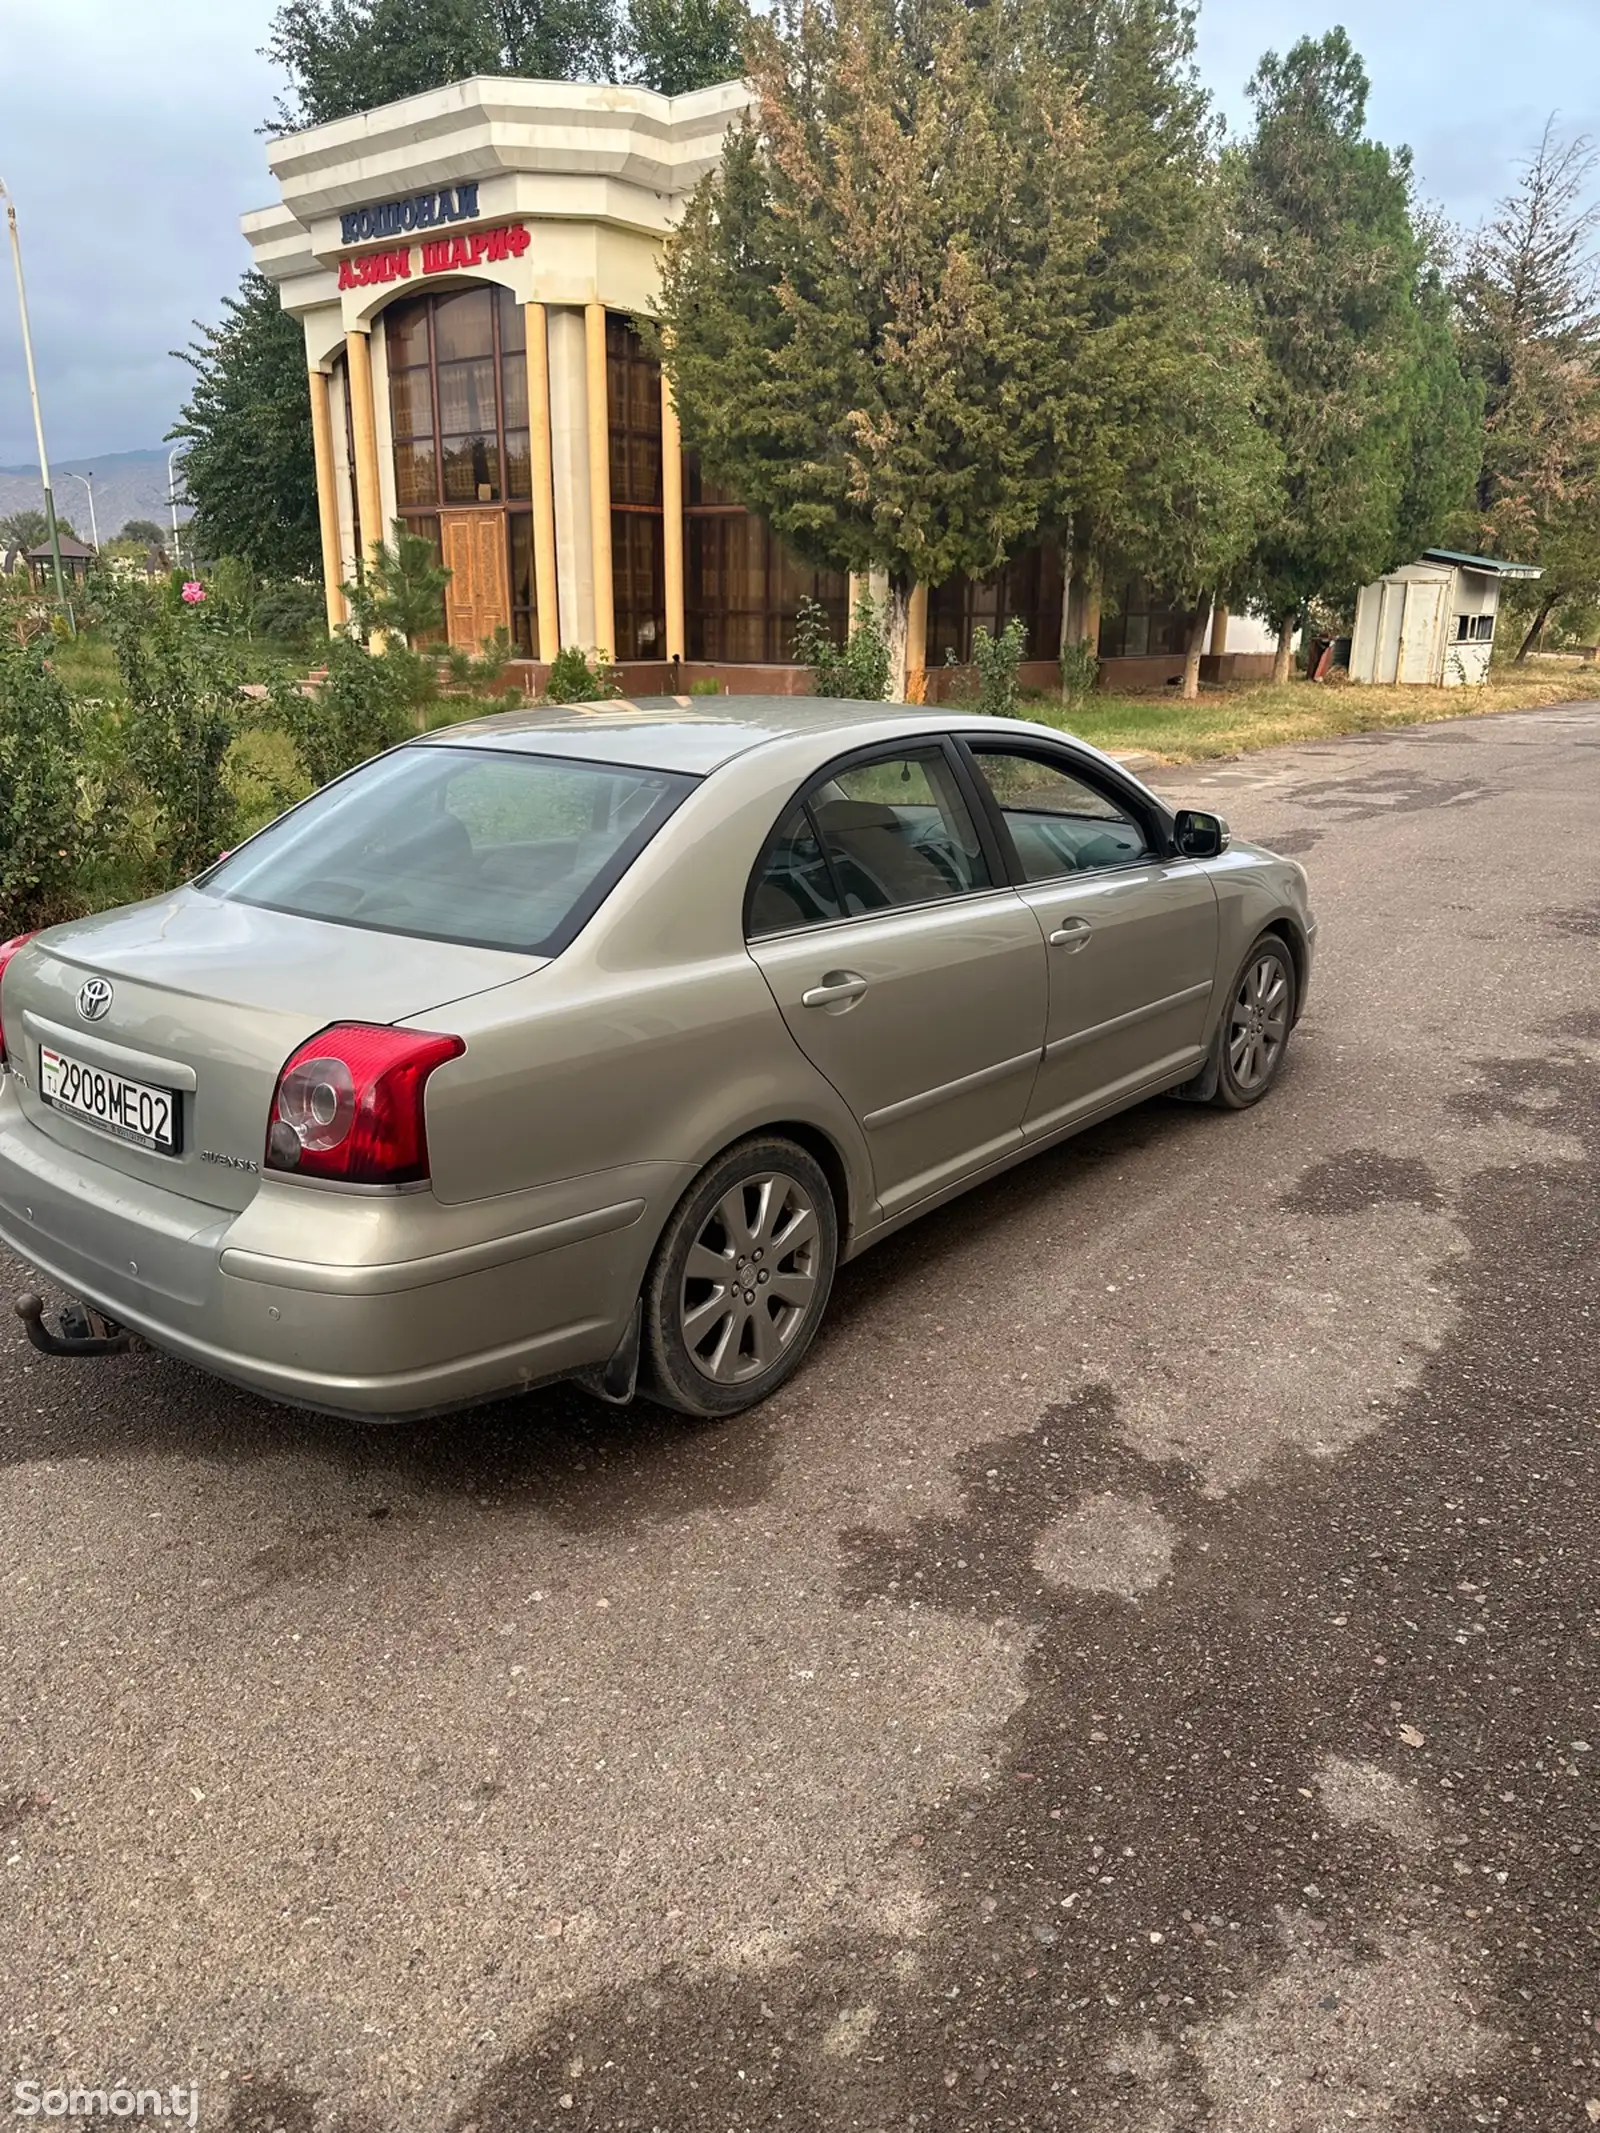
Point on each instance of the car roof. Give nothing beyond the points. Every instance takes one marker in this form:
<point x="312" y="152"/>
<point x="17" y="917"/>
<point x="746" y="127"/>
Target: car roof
<point x="697" y="734"/>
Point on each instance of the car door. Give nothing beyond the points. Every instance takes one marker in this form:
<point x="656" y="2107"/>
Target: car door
<point x="1131" y="930"/>
<point x="907" y="970"/>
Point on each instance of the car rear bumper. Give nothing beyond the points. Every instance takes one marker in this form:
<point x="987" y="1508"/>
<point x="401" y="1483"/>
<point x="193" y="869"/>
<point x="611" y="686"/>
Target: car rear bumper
<point x="329" y="1301"/>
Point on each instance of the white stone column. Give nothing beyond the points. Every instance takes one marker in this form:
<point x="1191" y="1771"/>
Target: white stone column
<point x="569" y="473"/>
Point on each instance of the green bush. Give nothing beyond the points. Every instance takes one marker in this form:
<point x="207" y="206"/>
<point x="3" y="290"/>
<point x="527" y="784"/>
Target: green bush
<point x="707" y="685"/>
<point x="578" y="677"/>
<point x="995" y="661"/>
<point x="364" y="706"/>
<point x="1080" y="670"/>
<point x="291" y="611"/>
<point x="183" y="714"/>
<point x="38" y="794"/>
<point x="858" y="669"/>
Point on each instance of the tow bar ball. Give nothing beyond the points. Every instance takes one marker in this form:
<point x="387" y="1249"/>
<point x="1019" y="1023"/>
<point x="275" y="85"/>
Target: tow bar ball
<point x="82" y="1332"/>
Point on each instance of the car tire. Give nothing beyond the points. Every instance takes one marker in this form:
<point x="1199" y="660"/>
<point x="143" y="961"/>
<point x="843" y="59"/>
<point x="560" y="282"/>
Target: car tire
<point x="1256" y="1020"/>
<point x="740" y="1279"/>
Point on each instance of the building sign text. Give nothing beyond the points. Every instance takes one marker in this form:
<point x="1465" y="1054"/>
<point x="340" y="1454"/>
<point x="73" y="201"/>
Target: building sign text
<point x="441" y="255"/>
<point x="423" y="211"/>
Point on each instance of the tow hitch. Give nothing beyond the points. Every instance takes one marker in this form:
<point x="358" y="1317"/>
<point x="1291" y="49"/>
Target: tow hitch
<point x="83" y="1331"/>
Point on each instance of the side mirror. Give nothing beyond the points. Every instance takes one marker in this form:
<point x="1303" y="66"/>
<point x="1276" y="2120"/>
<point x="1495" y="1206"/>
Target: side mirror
<point x="1199" y="835"/>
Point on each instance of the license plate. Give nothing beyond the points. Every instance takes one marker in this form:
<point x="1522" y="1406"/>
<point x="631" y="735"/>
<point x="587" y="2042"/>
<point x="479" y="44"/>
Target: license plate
<point x="132" y="1110"/>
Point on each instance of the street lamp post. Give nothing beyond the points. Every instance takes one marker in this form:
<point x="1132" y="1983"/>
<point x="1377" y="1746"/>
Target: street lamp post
<point x="33" y="394"/>
<point x="94" y="523"/>
<point x="172" y="499"/>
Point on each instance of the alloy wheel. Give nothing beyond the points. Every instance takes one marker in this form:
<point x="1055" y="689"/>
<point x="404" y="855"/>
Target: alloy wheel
<point x="1258" y="1023"/>
<point x="750" y="1279"/>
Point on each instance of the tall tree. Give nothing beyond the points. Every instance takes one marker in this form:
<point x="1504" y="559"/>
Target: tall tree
<point x="1530" y="308"/>
<point x="676" y="45"/>
<point x="249" y="472"/>
<point x="344" y="56"/>
<point x="869" y="310"/>
<point x="1325" y="242"/>
<point x="29" y="528"/>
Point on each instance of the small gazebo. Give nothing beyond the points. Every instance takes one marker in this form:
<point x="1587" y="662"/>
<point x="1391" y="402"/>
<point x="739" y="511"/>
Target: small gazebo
<point x="76" y="556"/>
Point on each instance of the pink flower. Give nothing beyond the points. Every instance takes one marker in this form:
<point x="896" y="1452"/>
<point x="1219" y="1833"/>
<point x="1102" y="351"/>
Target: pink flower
<point x="193" y="592"/>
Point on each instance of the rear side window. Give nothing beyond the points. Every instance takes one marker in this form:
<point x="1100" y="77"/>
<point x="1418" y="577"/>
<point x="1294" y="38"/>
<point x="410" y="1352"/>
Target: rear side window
<point x="494" y="850"/>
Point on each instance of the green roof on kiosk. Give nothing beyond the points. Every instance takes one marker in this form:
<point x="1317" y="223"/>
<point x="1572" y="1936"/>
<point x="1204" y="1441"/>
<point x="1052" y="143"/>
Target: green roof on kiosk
<point x="1482" y="562"/>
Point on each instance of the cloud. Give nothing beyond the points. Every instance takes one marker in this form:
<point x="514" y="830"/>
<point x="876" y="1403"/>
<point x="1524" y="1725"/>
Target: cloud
<point x="127" y="129"/>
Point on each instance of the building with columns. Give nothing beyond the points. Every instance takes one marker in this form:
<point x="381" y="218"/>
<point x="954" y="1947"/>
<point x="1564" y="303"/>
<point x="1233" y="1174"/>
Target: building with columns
<point x="467" y="266"/>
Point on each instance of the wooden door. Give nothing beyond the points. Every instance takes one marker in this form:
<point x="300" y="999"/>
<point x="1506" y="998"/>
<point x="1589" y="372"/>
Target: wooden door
<point x="477" y="601"/>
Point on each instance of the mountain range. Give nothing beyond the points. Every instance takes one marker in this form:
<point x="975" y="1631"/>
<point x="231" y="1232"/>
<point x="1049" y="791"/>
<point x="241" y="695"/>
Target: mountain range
<point x="126" y="485"/>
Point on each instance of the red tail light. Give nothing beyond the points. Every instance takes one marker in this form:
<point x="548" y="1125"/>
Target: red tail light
<point x="348" y="1104"/>
<point x="7" y="950"/>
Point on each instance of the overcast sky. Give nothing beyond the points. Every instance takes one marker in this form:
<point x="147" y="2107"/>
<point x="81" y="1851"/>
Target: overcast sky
<point x="128" y="138"/>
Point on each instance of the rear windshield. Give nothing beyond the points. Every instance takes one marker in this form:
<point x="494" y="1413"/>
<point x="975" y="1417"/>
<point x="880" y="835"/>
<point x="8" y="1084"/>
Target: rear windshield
<point x="457" y="844"/>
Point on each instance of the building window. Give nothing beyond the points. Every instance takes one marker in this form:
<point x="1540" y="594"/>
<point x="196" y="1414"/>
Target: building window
<point x="1145" y="625"/>
<point x="458" y="406"/>
<point x="742" y="587"/>
<point x="1474" y="629"/>
<point x="638" y="567"/>
<point x="1028" y="590"/>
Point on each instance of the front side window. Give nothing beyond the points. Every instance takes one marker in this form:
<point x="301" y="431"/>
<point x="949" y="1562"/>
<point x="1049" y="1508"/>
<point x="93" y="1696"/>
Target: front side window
<point x="491" y="849"/>
<point x="1059" y="823"/>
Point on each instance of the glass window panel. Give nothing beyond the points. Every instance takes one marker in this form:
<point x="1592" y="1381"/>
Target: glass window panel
<point x="463" y="324"/>
<point x="471" y="470"/>
<point x="1059" y="823"/>
<point x="405" y="334"/>
<point x="520" y="525"/>
<point x="513" y="322"/>
<point x="898" y="832"/>
<point x="416" y="472"/>
<point x="519" y="465"/>
<point x="456" y="844"/>
<point x="639" y="585"/>
<point x="411" y="402"/>
<point x="796" y="887"/>
<point x="466" y="395"/>
<point x="514" y="390"/>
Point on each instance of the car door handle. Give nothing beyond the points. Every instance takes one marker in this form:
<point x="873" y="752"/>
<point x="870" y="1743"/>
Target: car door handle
<point x="1071" y="933"/>
<point x="838" y="989"/>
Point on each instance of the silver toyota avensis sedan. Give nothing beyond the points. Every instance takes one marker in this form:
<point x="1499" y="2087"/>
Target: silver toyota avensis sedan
<point x="586" y="1043"/>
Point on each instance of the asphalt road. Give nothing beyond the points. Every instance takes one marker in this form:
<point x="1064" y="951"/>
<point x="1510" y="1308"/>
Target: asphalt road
<point x="1142" y="1676"/>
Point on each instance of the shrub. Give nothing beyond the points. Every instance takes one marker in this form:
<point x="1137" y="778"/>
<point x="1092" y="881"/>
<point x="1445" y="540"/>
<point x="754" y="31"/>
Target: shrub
<point x="291" y="612"/>
<point x="403" y="590"/>
<point x="707" y="685"/>
<point x="578" y="677"/>
<point x="995" y="660"/>
<point x="858" y="669"/>
<point x="183" y="714"/>
<point x="38" y="792"/>
<point x="364" y="706"/>
<point x="1080" y="670"/>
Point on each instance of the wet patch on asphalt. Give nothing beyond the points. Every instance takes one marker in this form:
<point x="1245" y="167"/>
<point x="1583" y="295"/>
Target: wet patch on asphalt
<point x="1348" y="1184"/>
<point x="1301" y="1834"/>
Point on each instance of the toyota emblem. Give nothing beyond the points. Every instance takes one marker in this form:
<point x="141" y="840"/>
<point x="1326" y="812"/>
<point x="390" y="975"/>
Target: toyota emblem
<point x="94" y="1000"/>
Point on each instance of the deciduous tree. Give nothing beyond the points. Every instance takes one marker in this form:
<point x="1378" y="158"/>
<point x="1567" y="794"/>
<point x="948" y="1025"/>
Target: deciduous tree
<point x="248" y="471"/>
<point x="1530" y="307"/>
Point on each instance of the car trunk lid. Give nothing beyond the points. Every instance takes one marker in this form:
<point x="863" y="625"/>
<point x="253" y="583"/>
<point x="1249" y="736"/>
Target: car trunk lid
<point x="206" y="998"/>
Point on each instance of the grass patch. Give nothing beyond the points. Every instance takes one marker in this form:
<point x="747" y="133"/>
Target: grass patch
<point x="1230" y="721"/>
